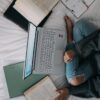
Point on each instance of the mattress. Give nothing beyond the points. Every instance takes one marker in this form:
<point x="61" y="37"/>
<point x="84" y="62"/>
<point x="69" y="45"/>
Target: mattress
<point x="13" y="41"/>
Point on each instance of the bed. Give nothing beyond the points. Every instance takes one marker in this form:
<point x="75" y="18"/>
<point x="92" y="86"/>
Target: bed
<point x="13" y="41"/>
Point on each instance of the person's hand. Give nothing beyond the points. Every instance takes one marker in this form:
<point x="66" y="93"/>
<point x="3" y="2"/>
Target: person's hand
<point x="63" y="94"/>
<point x="69" y="55"/>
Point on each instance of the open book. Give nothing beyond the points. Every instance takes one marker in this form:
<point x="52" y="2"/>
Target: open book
<point x="44" y="90"/>
<point x="77" y="7"/>
<point x="34" y="10"/>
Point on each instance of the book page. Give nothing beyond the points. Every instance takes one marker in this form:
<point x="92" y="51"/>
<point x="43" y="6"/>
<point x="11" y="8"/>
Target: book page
<point x="44" y="90"/>
<point x="45" y="5"/>
<point x="77" y="7"/>
<point x="34" y="10"/>
<point x="88" y="2"/>
<point x="30" y="11"/>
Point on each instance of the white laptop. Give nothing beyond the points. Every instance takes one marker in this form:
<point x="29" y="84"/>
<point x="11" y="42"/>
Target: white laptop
<point x="45" y="49"/>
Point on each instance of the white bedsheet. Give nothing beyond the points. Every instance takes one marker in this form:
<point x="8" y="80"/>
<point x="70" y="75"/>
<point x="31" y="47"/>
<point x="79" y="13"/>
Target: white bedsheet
<point x="13" y="40"/>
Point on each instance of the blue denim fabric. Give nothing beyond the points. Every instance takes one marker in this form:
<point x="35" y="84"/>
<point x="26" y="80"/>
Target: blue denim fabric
<point x="73" y="68"/>
<point x="71" y="46"/>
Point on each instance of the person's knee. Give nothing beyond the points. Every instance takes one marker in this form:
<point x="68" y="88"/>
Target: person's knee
<point x="78" y="29"/>
<point x="79" y="25"/>
<point x="78" y="80"/>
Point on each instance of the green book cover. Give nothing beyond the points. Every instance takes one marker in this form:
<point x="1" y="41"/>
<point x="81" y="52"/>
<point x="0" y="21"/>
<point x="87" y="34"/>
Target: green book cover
<point x="16" y="84"/>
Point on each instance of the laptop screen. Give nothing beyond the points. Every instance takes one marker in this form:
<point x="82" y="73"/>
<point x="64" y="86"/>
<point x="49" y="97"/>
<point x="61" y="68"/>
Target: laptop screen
<point x="28" y="68"/>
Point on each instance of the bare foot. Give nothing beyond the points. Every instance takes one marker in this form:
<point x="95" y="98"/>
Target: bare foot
<point x="69" y="23"/>
<point x="69" y="27"/>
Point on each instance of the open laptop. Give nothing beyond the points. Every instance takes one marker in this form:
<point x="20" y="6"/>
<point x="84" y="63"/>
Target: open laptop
<point x="45" y="49"/>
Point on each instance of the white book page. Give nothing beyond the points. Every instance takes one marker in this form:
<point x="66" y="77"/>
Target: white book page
<point x="44" y="90"/>
<point x="77" y="7"/>
<point x="45" y="5"/>
<point x="30" y="11"/>
<point x="34" y="10"/>
<point x="88" y="2"/>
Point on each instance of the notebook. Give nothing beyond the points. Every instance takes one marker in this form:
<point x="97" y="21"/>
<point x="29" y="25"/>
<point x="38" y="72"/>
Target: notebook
<point x="77" y="7"/>
<point x="15" y="83"/>
<point x="45" y="49"/>
<point x="35" y="11"/>
<point x="43" y="90"/>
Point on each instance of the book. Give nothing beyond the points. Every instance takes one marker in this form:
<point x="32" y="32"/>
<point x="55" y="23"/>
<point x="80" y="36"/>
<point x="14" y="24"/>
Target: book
<point x="45" y="49"/>
<point x="34" y="10"/>
<point x="15" y="83"/>
<point x="43" y="90"/>
<point x="24" y="11"/>
<point x="77" y="7"/>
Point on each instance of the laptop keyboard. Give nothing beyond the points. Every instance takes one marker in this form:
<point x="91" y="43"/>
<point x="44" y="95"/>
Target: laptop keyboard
<point x="47" y="50"/>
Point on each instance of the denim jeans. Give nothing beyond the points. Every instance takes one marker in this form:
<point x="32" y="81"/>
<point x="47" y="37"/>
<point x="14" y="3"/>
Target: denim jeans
<point x="74" y="68"/>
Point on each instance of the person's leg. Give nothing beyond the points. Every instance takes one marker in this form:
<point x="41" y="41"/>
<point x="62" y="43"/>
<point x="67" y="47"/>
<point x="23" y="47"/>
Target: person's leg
<point x="75" y="73"/>
<point x="83" y="28"/>
<point x="71" y="67"/>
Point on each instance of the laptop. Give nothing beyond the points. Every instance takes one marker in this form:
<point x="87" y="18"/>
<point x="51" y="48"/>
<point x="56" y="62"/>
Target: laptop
<point x="45" y="49"/>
